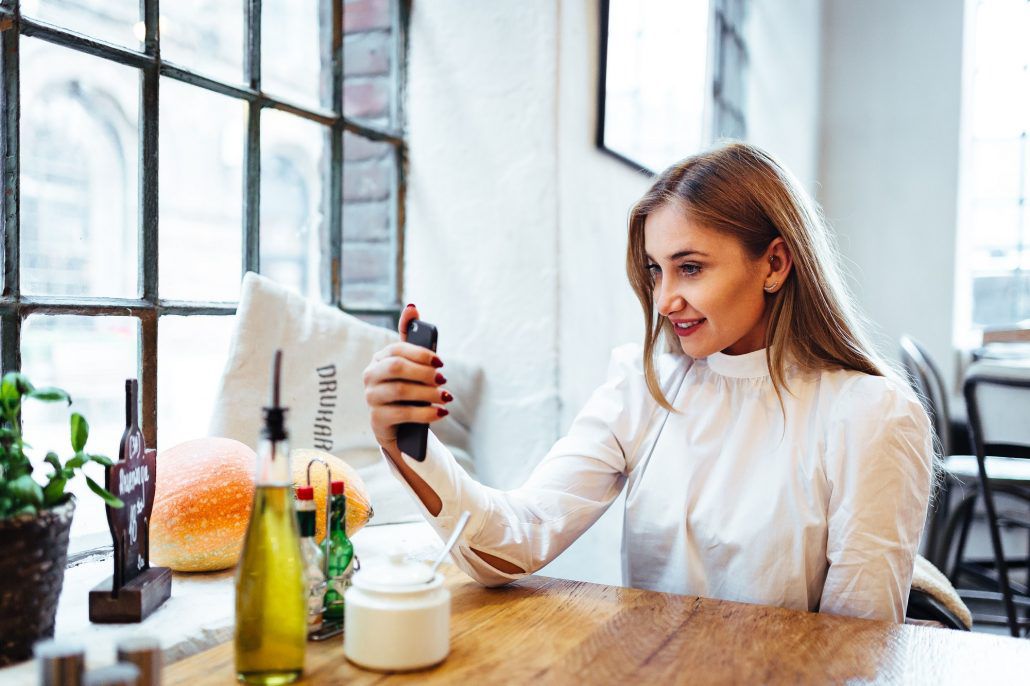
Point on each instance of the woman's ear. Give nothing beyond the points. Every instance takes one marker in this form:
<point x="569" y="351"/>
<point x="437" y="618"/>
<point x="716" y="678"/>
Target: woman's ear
<point x="779" y="264"/>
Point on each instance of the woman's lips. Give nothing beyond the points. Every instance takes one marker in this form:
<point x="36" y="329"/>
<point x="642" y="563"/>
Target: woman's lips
<point x="682" y="333"/>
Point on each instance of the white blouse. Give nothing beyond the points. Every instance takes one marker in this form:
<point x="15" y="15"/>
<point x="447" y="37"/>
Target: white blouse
<point x="726" y="499"/>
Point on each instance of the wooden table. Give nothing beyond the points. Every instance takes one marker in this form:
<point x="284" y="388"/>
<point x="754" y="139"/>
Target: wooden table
<point x="553" y="631"/>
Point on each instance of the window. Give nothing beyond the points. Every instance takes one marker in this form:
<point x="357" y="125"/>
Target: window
<point x="994" y="258"/>
<point x="145" y="173"/>
<point x="673" y="78"/>
<point x="729" y="72"/>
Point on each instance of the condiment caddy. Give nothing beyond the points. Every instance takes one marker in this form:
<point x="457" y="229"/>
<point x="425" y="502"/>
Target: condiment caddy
<point x="336" y="559"/>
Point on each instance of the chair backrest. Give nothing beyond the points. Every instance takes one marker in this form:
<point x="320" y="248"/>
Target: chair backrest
<point x="998" y="403"/>
<point x="926" y="381"/>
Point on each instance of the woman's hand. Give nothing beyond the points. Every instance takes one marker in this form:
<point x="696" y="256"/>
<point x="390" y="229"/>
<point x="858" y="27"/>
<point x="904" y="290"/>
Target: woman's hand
<point x="403" y="373"/>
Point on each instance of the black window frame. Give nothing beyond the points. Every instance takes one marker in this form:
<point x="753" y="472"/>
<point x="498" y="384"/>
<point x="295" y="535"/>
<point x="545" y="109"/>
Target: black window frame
<point x="149" y="307"/>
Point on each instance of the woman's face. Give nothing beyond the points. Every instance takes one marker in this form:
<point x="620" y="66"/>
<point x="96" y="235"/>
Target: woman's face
<point x="707" y="285"/>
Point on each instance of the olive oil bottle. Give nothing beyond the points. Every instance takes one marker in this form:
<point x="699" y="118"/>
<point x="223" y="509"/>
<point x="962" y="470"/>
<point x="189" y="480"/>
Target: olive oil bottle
<point x="271" y="610"/>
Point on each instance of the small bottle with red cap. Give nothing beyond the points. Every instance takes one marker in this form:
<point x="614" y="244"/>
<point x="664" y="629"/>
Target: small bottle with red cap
<point x="341" y="554"/>
<point x="314" y="558"/>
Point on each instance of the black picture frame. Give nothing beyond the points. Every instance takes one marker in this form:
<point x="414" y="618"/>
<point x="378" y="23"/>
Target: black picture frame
<point x="602" y="81"/>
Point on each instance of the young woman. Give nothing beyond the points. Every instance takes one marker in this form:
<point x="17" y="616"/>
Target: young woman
<point x="768" y="455"/>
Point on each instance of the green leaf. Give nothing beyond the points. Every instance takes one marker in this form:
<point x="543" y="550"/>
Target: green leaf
<point x="54" y="461"/>
<point x="80" y="431"/>
<point x="24" y="489"/>
<point x="9" y="392"/>
<point x="102" y="459"/>
<point x="50" y="395"/>
<point x="54" y="491"/>
<point x="18" y="466"/>
<point x="21" y="382"/>
<point x="77" y="461"/>
<point x="103" y="493"/>
<point x="25" y="509"/>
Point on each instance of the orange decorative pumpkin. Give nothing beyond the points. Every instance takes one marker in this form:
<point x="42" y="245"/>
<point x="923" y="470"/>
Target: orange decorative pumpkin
<point x="205" y="491"/>
<point x="359" y="508"/>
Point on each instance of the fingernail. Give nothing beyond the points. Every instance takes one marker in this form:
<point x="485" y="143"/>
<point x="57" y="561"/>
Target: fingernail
<point x="440" y="379"/>
<point x="410" y="305"/>
<point x="447" y="397"/>
<point x="437" y="362"/>
<point x="440" y="412"/>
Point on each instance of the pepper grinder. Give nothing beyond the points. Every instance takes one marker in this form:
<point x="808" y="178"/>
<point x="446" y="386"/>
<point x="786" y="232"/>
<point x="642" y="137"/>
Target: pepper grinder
<point x="60" y="662"/>
<point x="145" y="653"/>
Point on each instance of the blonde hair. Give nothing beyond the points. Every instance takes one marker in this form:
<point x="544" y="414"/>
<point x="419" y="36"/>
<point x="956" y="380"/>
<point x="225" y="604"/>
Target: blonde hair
<point x="742" y="191"/>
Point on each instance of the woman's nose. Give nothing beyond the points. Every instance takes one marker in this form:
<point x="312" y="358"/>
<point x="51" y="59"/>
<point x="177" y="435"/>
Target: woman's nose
<point x="668" y="301"/>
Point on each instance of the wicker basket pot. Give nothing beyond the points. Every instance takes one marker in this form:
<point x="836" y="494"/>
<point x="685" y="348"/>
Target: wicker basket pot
<point x="33" y="553"/>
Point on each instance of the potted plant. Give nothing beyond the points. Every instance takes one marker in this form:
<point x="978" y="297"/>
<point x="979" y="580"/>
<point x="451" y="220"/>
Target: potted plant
<point x="35" y="518"/>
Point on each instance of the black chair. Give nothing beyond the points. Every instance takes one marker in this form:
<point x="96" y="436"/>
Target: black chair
<point x="950" y="522"/>
<point x="998" y="403"/>
<point x="925" y="607"/>
<point x="928" y="385"/>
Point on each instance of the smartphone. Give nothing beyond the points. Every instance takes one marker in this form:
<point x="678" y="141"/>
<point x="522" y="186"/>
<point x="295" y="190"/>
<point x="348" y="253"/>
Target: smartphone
<point x="411" y="438"/>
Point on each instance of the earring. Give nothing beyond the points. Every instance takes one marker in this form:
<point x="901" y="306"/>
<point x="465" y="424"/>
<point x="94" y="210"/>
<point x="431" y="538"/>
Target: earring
<point x="770" y="287"/>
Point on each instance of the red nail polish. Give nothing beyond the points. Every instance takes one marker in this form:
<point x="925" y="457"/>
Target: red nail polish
<point x="410" y="305"/>
<point x="440" y="379"/>
<point x="437" y="362"/>
<point x="440" y="412"/>
<point x="447" y="397"/>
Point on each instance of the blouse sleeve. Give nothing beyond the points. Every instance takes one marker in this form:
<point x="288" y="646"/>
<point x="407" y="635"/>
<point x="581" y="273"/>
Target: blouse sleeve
<point x="879" y="463"/>
<point x="564" y="495"/>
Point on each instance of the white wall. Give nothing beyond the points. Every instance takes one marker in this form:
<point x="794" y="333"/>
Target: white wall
<point x="516" y="231"/>
<point x="784" y="49"/>
<point x="889" y="163"/>
<point x="481" y="236"/>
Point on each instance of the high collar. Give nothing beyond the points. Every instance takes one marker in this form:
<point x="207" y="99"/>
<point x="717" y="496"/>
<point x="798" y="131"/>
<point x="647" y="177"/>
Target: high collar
<point x="747" y="366"/>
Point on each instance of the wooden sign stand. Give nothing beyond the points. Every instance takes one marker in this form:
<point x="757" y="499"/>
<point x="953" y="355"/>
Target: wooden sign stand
<point x="136" y="589"/>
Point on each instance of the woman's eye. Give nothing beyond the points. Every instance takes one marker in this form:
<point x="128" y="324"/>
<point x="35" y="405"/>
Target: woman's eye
<point x="654" y="270"/>
<point x="690" y="269"/>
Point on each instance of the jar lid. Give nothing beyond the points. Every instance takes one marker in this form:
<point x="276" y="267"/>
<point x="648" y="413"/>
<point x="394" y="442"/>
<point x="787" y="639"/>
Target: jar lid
<point x="336" y="488"/>
<point x="305" y="493"/>
<point x="396" y="574"/>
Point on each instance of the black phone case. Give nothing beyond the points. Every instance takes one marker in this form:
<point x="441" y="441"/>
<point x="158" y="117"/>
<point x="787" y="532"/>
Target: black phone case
<point x="412" y="438"/>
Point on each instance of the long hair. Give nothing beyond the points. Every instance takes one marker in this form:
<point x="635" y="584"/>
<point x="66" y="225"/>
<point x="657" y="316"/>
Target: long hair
<point x="742" y="191"/>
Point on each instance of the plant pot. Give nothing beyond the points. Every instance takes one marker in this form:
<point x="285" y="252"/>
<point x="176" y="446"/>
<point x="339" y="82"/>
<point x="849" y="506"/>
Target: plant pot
<point x="33" y="553"/>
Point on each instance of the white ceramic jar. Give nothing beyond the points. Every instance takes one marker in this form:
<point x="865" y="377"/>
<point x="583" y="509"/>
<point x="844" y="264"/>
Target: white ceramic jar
<point x="396" y="617"/>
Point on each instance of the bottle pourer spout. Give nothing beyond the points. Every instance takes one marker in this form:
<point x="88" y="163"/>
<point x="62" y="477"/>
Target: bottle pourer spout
<point x="275" y="414"/>
<point x="277" y="366"/>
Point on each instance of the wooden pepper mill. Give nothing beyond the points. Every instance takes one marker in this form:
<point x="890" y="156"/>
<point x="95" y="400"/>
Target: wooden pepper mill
<point x="136" y="589"/>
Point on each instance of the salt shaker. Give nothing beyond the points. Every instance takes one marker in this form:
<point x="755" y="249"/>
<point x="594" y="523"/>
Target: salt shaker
<point x="145" y="653"/>
<point x="60" y="662"/>
<point x="118" y="674"/>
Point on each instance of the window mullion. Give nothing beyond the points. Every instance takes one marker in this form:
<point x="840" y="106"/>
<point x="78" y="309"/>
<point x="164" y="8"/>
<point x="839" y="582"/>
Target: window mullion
<point x="148" y="362"/>
<point x="252" y="145"/>
<point x="148" y="219"/>
<point x="148" y="162"/>
<point x="10" y="339"/>
<point x="401" y="16"/>
<point x="336" y="164"/>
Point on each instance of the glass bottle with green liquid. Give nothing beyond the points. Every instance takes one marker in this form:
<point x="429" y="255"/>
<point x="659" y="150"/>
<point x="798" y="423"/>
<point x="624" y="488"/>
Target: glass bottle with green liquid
<point x="271" y="609"/>
<point x="340" y="552"/>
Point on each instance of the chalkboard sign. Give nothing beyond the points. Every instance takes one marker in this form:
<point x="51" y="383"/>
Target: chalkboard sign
<point x="132" y="479"/>
<point x="136" y="589"/>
